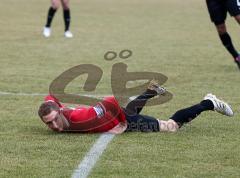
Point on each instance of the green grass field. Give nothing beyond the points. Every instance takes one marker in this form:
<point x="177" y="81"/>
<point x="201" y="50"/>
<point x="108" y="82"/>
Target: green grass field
<point x="173" y="37"/>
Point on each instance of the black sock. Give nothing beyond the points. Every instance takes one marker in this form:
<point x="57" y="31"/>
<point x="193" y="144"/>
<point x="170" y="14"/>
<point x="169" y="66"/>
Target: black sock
<point x="136" y="105"/>
<point x="186" y="115"/>
<point x="227" y="42"/>
<point x="50" y="16"/>
<point x="67" y="18"/>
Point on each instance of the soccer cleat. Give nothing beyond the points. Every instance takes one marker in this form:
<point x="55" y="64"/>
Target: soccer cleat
<point x="153" y="85"/>
<point x="68" y="34"/>
<point x="219" y="105"/>
<point x="46" y="32"/>
<point x="237" y="60"/>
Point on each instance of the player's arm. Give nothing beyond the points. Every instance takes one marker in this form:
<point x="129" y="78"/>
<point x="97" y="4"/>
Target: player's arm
<point x="90" y="113"/>
<point x="118" y="129"/>
<point x="83" y="114"/>
<point x="107" y="106"/>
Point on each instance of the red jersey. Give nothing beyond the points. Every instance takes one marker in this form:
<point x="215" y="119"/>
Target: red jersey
<point x="87" y="119"/>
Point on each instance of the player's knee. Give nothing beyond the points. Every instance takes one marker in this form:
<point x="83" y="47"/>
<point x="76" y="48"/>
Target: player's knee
<point x="65" y="4"/>
<point x="65" y="7"/>
<point x="168" y="126"/>
<point x="237" y="18"/>
<point x="221" y="29"/>
<point x="55" y="4"/>
<point x="172" y="125"/>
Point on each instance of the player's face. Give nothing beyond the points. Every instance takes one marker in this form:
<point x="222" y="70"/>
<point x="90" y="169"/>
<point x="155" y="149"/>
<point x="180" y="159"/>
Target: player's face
<point x="54" y="121"/>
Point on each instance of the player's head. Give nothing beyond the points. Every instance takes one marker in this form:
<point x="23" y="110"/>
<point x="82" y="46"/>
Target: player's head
<point x="49" y="112"/>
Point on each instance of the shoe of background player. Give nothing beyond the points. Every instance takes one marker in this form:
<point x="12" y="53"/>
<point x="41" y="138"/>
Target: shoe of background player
<point x="153" y="85"/>
<point x="237" y="60"/>
<point x="68" y="34"/>
<point x="219" y="105"/>
<point x="46" y="32"/>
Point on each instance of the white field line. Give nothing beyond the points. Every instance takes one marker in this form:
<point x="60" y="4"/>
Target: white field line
<point x="90" y="159"/>
<point x="44" y="94"/>
<point x="21" y="94"/>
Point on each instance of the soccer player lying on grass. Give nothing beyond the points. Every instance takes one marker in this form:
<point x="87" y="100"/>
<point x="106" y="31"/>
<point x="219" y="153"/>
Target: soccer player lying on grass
<point x="108" y="116"/>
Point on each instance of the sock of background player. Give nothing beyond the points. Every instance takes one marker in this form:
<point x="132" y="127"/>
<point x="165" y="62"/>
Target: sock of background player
<point x="67" y="18"/>
<point x="50" y="16"/>
<point x="186" y="115"/>
<point x="227" y="42"/>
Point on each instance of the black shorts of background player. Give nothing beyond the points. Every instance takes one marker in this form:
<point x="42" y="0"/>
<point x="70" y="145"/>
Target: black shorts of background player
<point x="66" y="16"/>
<point x="218" y="12"/>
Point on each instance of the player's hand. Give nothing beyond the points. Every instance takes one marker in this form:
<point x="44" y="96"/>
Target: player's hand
<point x="118" y="129"/>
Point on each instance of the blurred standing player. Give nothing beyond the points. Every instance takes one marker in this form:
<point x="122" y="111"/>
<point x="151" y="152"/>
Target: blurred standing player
<point x="66" y="16"/>
<point x="218" y="12"/>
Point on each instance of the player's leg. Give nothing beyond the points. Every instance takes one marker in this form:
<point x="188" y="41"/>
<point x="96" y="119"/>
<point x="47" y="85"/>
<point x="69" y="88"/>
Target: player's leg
<point x="168" y="126"/>
<point x="51" y="12"/>
<point x="218" y="12"/>
<point x="237" y="59"/>
<point x="142" y="123"/>
<point x="234" y="10"/>
<point x="149" y="124"/>
<point x="226" y="40"/>
<point x="136" y="105"/>
<point x="210" y="102"/>
<point x="145" y="123"/>
<point x="237" y="17"/>
<point x="184" y="116"/>
<point x="67" y="18"/>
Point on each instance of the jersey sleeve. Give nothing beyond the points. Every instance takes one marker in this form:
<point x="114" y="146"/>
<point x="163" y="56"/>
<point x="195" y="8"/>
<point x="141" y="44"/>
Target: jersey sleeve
<point x="101" y="117"/>
<point x="111" y="106"/>
<point x="107" y="107"/>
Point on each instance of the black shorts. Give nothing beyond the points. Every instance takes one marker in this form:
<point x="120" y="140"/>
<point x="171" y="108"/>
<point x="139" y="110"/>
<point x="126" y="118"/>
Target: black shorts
<point x="142" y="123"/>
<point x="218" y="9"/>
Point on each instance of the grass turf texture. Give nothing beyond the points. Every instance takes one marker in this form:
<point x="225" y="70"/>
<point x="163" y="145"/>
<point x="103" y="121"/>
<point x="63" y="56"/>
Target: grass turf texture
<point x="173" y="37"/>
